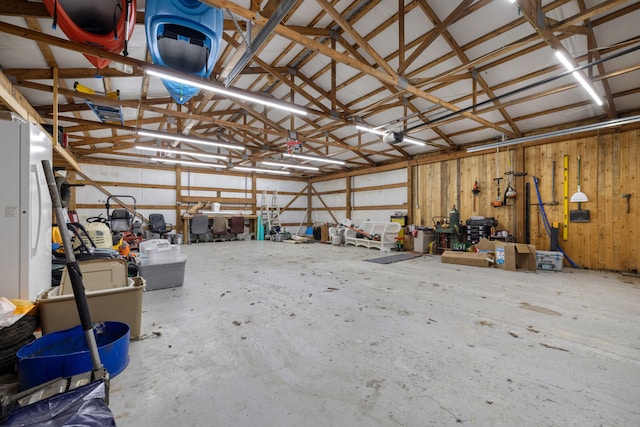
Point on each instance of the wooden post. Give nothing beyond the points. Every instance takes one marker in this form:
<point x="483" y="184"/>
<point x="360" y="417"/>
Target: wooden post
<point x="519" y="220"/>
<point x="55" y="107"/>
<point x="179" y="205"/>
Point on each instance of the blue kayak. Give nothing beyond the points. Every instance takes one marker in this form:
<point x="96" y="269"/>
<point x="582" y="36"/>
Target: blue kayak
<point x="183" y="35"/>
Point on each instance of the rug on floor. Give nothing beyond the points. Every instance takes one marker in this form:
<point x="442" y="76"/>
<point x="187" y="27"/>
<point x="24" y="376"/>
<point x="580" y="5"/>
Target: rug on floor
<point x="393" y="258"/>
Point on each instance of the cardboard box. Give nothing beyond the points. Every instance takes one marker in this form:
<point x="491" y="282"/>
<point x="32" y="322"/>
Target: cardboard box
<point x="466" y="258"/>
<point x="408" y="242"/>
<point x="124" y="304"/>
<point x="549" y="260"/>
<point x="324" y="233"/>
<point x="515" y="256"/>
<point x="485" y="246"/>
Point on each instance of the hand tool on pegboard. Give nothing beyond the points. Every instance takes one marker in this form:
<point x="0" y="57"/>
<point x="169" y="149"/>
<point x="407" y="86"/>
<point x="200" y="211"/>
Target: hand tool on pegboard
<point x="628" y="197"/>
<point x="498" y="201"/>
<point x="475" y="191"/>
<point x="579" y="215"/>
<point x="509" y="192"/>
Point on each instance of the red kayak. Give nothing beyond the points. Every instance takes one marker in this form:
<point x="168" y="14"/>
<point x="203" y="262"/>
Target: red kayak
<point x="98" y="23"/>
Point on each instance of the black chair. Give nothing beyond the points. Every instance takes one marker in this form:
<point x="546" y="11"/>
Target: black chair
<point x="158" y="225"/>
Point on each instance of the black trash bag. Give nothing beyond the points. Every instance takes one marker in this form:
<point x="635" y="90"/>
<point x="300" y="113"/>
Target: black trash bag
<point x="83" y="406"/>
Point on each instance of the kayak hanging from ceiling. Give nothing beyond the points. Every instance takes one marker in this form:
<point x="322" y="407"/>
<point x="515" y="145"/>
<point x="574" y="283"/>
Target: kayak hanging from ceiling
<point x="183" y="35"/>
<point x="98" y="23"/>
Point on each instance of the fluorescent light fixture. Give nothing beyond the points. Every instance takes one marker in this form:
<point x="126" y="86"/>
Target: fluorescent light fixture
<point x="587" y="87"/>
<point x="579" y="129"/>
<point x="372" y="130"/>
<point x="316" y="159"/>
<point x="289" y="165"/>
<point x="184" y="152"/>
<point x="578" y="76"/>
<point x="413" y="141"/>
<point x="384" y="132"/>
<point x="188" y="139"/>
<point x="248" y="169"/>
<point x="188" y="163"/>
<point x="563" y="59"/>
<point x="212" y="87"/>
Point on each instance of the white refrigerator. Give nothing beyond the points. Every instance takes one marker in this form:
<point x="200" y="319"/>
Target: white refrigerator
<point x="25" y="209"/>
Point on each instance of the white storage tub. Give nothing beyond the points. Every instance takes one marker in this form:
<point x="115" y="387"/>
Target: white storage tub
<point x="159" y="251"/>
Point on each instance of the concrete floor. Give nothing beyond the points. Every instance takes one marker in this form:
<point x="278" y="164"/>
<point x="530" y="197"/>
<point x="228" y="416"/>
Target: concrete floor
<point x="275" y="334"/>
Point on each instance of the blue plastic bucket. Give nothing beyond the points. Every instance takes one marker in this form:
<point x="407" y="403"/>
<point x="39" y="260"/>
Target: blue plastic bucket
<point x="65" y="353"/>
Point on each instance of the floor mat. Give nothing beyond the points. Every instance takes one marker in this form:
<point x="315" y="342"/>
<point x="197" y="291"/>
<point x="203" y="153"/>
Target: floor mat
<point x="393" y="258"/>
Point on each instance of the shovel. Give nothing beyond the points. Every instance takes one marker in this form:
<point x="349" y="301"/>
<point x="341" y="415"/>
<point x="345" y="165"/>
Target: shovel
<point x="579" y="197"/>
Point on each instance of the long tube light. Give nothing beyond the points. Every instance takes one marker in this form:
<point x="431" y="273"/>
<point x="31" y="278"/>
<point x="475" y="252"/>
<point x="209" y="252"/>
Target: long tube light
<point x="383" y="133"/>
<point x="183" y="152"/>
<point x="289" y="165"/>
<point x="188" y="139"/>
<point x="211" y="87"/>
<point x="371" y="130"/>
<point x="248" y="169"/>
<point x="413" y="141"/>
<point x="188" y="163"/>
<point x="316" y="159"/>
<point x="578" y="76"/>
<point x="579" y="129"/>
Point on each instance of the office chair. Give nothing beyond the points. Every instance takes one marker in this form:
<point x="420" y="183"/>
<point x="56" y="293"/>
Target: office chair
<point x="158" y="225"/>
<point x="219" y="228"/>
<point x="200" y="227"/>
<point x="237" y="226"/>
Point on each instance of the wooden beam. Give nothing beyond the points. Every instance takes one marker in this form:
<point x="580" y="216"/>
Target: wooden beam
<point x="440" y="28"/>
<point x="347" y="60"/>
<point x="17" y="103"/>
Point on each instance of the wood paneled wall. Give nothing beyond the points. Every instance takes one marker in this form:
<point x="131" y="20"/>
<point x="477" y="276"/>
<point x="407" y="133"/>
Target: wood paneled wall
<point x="609" y="170"/>
<point x="440" y="186"/>
<point x="610" y="167"/>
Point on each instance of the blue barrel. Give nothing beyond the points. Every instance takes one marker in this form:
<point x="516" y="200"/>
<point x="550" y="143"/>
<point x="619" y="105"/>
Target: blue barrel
<point x="183" y="35"/>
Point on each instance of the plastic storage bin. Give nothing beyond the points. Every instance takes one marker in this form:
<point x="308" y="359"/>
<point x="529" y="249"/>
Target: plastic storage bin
<point x="58" y="312"/>
<point x="162" y="274"/>
<point x="549" y="260"/>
